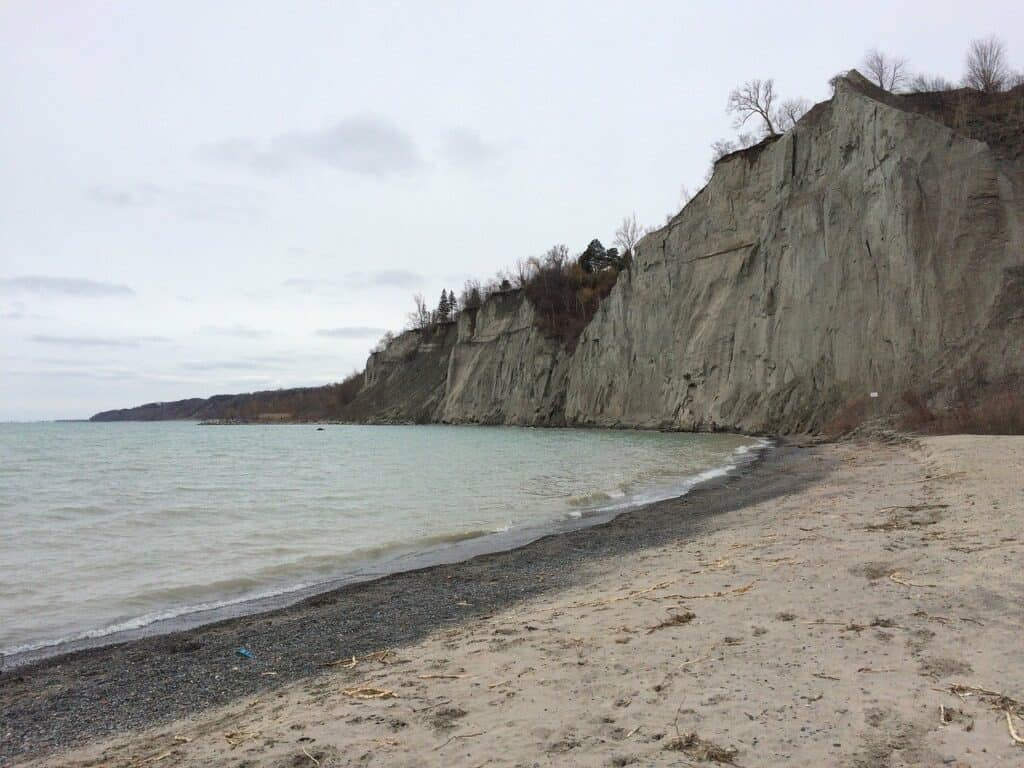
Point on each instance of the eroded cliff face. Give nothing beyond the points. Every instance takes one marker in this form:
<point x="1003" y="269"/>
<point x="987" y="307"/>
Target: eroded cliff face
<point x="869" y="249"/>
<point x="503" y="369"/>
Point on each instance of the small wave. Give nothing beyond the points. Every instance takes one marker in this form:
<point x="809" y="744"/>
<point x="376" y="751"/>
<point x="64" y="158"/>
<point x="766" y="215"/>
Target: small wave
<point x="587" y="499"/>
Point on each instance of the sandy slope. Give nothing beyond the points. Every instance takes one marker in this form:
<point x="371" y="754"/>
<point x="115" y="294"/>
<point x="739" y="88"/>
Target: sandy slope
<point x="827" y="628"/>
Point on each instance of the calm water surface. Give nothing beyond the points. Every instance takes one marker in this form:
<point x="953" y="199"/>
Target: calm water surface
<point x="107" y="527"/>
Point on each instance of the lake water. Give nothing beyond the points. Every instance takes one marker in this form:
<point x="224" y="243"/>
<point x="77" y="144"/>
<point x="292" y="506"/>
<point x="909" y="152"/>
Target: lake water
<point x="113" y="527"/>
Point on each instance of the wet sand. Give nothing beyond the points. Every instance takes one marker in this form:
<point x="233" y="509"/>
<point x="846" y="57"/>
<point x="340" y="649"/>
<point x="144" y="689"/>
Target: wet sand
<point x="834" y="605"/>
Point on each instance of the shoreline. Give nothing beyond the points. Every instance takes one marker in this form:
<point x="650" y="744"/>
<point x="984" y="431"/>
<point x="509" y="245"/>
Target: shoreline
<point x="184" y="672"/>
<point x="360" y="569"/>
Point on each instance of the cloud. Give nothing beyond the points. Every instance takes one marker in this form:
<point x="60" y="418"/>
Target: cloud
<point x="381" y="278"/>
<point x="108" y="342"/>
<point x="365" y="146"/>
<point x="235" y="331"/>
<point x="351" y="332"/>
<point x="466" y="149"/>
<point x="79" y="287"/>
<point x="127" y="196"/>
<point x="197" y="200"/>
<point x="15" y="311"/>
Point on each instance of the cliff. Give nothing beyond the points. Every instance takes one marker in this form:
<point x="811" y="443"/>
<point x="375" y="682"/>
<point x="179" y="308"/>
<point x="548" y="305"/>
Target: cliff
<point x="878" y="246"/>
<point x="870" y="249"/>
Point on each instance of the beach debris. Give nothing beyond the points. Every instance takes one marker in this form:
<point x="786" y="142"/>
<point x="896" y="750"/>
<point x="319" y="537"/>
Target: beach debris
<point x="949" y="715"/>
<point x="1010" y="707"/>
<point x="1013" y="731"/>
<point x="735" y="591"/>
<point x="307" y="754"/>
<point x="245" y="653"/>
<point x="895" y="576"/>
<point x="381" y="657"/>
<point x="702" y="750"/>
<point x="873" y="671"/>
<point x="607" y="601"/>
<point x="369" y="692"/>
<point x="235" y="738"/>
<point x="458" y="736"/>
<point x="674" y="620"/>
<point x="443" y="677"/>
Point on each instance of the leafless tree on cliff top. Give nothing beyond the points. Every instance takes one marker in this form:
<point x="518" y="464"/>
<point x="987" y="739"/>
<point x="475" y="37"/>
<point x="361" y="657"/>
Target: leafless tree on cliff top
<point x="628" y="235"/>
<point x="987" y="69"/>
<point x="789" y="112"/>
<point x="421" y="317"/>
<point x="887" y="72"/>
<point x="754" y="98"/>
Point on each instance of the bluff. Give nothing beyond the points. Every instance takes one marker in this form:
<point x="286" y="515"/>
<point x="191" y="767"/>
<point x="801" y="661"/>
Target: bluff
<point x="877" y="246"/>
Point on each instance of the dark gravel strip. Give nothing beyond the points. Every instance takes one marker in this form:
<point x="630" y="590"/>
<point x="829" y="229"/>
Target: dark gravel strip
<point x="68" y="700"/>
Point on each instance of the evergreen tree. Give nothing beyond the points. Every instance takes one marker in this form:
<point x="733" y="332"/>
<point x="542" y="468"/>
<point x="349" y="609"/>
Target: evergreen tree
<point x="443" y="307"/>
<point x="453" y="304"/>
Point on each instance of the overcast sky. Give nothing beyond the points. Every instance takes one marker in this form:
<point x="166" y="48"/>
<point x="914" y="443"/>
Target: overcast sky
<point x="205" y="197"/>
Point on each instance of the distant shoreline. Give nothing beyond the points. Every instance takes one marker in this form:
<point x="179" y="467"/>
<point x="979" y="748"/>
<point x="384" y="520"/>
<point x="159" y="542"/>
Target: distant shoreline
<point x="182" y="672"/>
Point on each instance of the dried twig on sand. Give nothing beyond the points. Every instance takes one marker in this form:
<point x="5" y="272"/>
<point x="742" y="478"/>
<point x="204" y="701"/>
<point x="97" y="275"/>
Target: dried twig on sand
<point x="701" y="750"/>
<point x="234" y="738"/>
<point x="458" y="736"/>
<point x="607" y="601"/>
<point x="1013" y="731"/>
<point x="736" y="591"/>
<point x="895" y="576"/>
<point x="443" y="677"/>
<point x="380" y="657"/>
<point x="306" y="753"/>
<point x="674" y="620"/>
<point x="1008" y="706"/>
<point x="369" y="692"/>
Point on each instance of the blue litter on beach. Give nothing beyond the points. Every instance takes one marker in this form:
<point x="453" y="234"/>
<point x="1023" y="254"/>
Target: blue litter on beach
<point x="246" y="653"/>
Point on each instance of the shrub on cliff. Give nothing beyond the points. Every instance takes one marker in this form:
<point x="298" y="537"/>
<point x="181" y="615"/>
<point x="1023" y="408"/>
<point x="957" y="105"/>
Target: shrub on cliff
<point x="564" y="293"/>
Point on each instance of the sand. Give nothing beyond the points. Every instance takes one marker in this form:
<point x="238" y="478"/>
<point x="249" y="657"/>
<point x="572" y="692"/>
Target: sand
<point x="851" y="622"/>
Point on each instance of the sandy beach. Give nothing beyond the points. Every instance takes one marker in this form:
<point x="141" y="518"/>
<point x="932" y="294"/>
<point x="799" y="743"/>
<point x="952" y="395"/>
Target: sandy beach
<point x="853" y="604"/>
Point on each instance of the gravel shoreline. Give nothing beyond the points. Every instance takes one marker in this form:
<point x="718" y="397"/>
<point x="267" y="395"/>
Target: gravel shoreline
<point x="68" y="700"/>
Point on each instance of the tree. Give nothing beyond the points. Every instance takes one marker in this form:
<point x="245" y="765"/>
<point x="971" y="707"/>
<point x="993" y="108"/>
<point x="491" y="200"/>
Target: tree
<point x="887" y="72"/>
<point x="789" y="112"/>
<point x="628" y="235"/>
<point x="443" y="307"/>
<point x="471" y="297"/>
<point x="421" y="317"/>
<point x="929" y="84"/>
<point x="453" y="304"/>
<point x="755" y="98"/>
<point x="987" y="70"/>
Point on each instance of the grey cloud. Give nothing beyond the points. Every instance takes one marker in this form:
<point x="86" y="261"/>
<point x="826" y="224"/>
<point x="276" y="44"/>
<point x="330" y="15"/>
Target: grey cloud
<point x="198" y="200"/>
<point x="368" y="146"/>
<point x="63" y="286"/>
<point x="129" y="196"/>
<point x="235" y="331"/>
<point x="109" y="342"/>
<point x="351" y="332"/>
<point x="382" y="278"/>
<point x="466" y="149"/>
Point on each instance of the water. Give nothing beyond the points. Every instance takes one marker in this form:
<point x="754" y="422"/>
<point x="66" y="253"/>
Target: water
<point x="111" y="527"/>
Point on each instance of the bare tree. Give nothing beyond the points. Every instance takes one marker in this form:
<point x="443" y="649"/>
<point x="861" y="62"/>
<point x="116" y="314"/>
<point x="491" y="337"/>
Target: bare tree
<point x="987" y="70"/>
<point x="789" y="112"/>
<point x="421" y="317"/>
<point x="929" y="84"/>
<point x="887" y="72"/>
<point x="755" y="98"/>
<point x="628" y="235"/>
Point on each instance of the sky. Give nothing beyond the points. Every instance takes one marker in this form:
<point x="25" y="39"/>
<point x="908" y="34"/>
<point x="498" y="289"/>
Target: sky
<point x="200" y="198"/>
